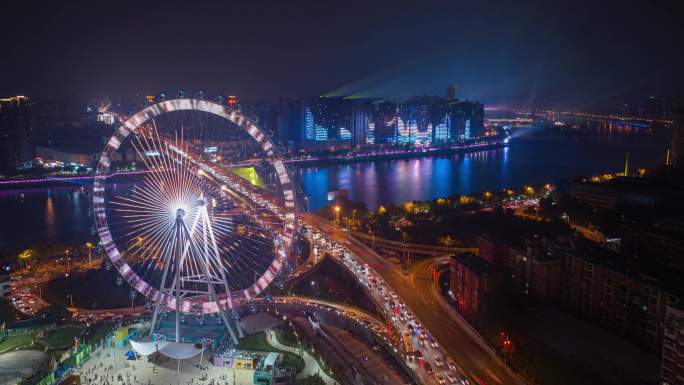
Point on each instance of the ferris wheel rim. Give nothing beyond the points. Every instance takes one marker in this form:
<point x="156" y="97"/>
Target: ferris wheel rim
<point x="272" y="154"/>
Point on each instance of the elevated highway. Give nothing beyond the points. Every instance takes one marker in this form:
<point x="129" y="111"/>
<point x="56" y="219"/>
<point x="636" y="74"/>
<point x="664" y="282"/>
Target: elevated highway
<point x="473" y="358"/>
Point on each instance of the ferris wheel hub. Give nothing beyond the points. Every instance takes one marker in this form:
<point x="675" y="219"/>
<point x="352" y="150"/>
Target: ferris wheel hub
<point x="180" y="213"/>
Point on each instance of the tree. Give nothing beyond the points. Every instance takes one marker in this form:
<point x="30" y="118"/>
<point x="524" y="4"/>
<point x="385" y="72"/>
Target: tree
<point x="7" y="312"/>
<point x="57" y="312"/>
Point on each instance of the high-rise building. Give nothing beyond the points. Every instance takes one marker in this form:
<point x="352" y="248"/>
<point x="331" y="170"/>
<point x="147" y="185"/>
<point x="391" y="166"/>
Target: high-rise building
<point x="5" y="281"/>
<point x="442" y="130"/>
<point x="677" y="144"/>
<point x="467" y="119"/>
<point x="309" y="124"/>
<point x="653" y="108"/>
<point x="452" y="93"/>
<point x="672" y="358"/>
<point x="358" y="124"/>
<point x="385" y="122"/>
<point x="16" y="132"/>
<point x="600" y="286"/>
<point x="473" y="281"/>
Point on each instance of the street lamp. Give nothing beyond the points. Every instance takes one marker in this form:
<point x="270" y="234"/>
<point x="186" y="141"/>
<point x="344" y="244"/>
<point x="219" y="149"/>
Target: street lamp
<point x="67" y="258"/>
<point x="529" y="190"/>
<point x="71" y="298"/>
<point x="133" y="294"/>
<point x="306" y="198"/>
<point x="371" y="234"/>
<point x="90" y="247"/>
<point x="507" y="345"/>
<point x="407" y="251"/>
<point x="337" y="214"/>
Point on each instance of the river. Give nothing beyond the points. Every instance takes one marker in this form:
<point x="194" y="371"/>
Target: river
<point x="538" y="156"/>
<point x="51" y="218"/>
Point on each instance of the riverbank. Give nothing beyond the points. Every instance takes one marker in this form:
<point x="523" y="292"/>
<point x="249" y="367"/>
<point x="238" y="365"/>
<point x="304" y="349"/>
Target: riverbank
<point x="66" y="180"/>
<point x="392" y="154"/>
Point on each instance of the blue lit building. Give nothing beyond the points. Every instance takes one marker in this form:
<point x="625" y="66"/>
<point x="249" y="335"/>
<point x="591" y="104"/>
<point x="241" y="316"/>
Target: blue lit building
<point x="327" y="122"/>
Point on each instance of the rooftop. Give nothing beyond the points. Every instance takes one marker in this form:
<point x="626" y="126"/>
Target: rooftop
<point x="473" y="262"/>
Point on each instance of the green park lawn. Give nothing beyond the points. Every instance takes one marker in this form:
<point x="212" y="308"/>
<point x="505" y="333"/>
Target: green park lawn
<point x="62" y="338"/>
<point x="12" y="342"/>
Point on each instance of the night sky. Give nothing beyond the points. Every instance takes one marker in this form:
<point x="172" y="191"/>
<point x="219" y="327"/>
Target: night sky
<point x="572" y="54"/>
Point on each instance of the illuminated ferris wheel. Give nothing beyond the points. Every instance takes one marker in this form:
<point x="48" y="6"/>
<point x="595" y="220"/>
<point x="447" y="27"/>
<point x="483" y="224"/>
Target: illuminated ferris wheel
<point x="208" y="220"/>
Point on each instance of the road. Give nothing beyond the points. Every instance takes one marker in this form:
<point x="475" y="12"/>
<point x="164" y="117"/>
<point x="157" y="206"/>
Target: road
<point x="441" y="322"/>
<point x="311" y="366"/>
<point x="414" y="248"/>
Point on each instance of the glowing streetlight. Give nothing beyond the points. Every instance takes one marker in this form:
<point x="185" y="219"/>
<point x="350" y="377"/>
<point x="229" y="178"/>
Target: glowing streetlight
<point x="407" y="252"/>
<point x="337" y="214"/>
<point x="90" y="247"/>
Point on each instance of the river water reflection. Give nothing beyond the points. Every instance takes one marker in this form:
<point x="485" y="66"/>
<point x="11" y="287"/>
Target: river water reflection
<point x="538" y="157"/>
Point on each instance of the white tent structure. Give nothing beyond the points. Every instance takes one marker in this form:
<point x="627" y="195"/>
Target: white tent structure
<point x="170" y="349"/>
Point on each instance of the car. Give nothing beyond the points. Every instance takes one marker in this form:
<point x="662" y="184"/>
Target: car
<point x="451" y="377"/>
<point x="440" y="379"/>
<point x="428" y="368"/>
<point x="451" y="364"/>
<point x="439" y="362"/>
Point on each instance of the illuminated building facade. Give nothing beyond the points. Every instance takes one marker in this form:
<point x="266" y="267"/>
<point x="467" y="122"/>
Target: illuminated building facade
<point x="16" y="132"/>
<point x="342" y="122"/>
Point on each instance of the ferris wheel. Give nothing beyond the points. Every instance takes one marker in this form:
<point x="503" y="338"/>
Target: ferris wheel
<point x="208" y="220"/>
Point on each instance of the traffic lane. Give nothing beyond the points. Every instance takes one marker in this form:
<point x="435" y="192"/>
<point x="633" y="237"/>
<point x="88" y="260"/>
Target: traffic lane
<point x="465" y="351"/>
<point x="427" y="309"/>
<point x="479" y="358"/>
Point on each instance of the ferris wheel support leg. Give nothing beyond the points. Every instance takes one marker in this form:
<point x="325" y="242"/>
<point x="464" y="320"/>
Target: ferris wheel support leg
<point x="212" y="292"/>
<point x="236" y="318"/>
<point x="233" y="314"/>
<point x="180" y="226"/>
<point x="226" y="321"/>
<point x="160" y="296"/>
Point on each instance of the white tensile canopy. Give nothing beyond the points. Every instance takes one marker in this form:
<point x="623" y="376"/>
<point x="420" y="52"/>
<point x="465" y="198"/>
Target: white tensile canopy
<point x="175" y="350"/>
